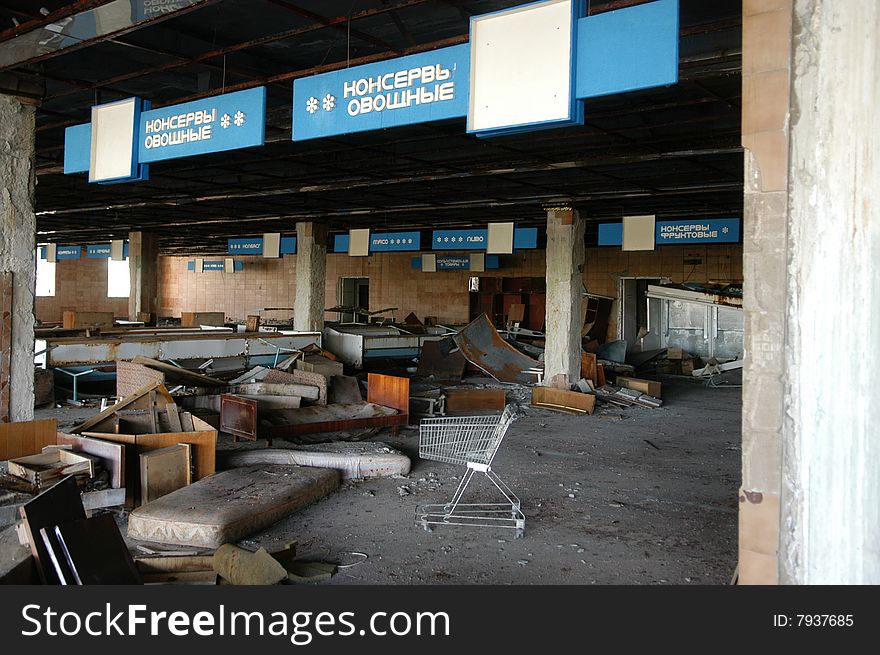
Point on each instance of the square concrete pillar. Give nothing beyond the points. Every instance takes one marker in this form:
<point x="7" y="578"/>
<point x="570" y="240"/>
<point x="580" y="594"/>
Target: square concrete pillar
<point x="143" y="267"/>
<point x="17" y="260"/>
<point x="311" y="275"/>
<point x="565" y="264"/>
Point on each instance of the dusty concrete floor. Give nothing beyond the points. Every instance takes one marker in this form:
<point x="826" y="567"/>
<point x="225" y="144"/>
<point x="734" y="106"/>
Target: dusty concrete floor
<point x="602" y="505"/>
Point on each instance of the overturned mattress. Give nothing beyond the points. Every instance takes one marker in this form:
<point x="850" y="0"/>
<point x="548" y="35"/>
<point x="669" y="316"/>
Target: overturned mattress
<point x="372" y="459"/>
<point x="228" y="506"/>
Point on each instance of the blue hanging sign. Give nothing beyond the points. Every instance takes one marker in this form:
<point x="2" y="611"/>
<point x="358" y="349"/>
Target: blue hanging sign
<point x="459" y="239"/>
<point x="679" y="232"/>
<point x="214" y="266"/>
<point x="627" y="49"/>
<point x="64" y="252"/>
<point x="225" y="122"/>
<point x="103" y="250"/>
<point x="457" y="262"/>
<point x="254" y="246"/>
<point x="250" y="246"/>
<point x="419" y="88"/>
<point x="525" y="238"/>
<point x="384" y="242"/>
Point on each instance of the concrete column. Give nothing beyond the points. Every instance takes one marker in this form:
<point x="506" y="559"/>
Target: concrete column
<point x="17" y="230"/>
<point x="765" y="127"/>
<point x="831" y="434"/>
<point x="565" y="283"/>
<point x="143" y="267"/>
<point x="311" y="274"/>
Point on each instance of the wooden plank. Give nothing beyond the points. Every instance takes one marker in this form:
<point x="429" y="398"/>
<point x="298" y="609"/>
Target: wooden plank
<point x="5" y="343"/>
<point x="186" y="422"/>
<point x="389" y="391"/>
<point x="195" y="319"/>
<point x="600" y="375"/>
<point x="112" y="454"/>
<point x="165" y="470"/>
<point x="26" y="438"/>
<point x="72" y="320"/>
<point x="649" y="387"/>
<point x="253" y="323"/>
<point x="588" y="367"/>
<point x="466" y="400"/>
<point x="563" y="400"/>
<point x="174" y="418"/>
<point x="516" y="312"/>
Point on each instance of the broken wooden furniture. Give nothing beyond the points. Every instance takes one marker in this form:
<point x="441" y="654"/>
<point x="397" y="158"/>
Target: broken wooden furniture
<point x="230" y="505"/>
<point x="148" y="420"/>
<point x="561" y="400"/>
<point x="472" y="442"/>
<point x="48" y="467"/>
<point x="387" y="406"/>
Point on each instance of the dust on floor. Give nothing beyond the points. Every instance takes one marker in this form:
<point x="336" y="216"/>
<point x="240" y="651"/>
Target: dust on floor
<point x="634" y="496"/>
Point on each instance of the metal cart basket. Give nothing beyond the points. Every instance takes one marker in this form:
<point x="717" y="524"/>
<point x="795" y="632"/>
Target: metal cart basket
<point x="470" y="441"/>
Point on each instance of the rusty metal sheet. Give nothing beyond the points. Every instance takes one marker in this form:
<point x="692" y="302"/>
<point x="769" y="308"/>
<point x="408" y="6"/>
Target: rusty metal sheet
<point x="481" y="344"/>
<point x="441" y="359"/>
<point x="238" y="416"/>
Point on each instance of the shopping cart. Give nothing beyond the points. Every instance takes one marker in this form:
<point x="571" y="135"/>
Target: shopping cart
<point x="470" y="441"/>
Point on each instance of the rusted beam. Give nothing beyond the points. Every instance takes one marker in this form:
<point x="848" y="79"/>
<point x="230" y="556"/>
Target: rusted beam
<point x="245" y="45"/>
<point x="345" y="27"/>
<point x="52" y="17"/>
<point x="200" y="4"/>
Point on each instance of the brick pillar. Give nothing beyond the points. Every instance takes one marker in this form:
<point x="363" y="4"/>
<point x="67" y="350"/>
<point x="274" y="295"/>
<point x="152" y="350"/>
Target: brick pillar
<point x="17" y="260"/>
<point x="765" y="131"/>
<point x="830" y="520"/>
<point x="565" y="275"/>
<point x="311" y="275"/>
<point x="143" y="267"/>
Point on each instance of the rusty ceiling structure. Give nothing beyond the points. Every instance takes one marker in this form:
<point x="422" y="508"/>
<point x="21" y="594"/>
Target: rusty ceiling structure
<point x="671" y="151"/>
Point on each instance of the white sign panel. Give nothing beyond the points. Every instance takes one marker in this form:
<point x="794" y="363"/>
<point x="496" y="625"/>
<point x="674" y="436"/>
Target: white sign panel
<point x="112" y="153"/>
<point x="521" y="67"/>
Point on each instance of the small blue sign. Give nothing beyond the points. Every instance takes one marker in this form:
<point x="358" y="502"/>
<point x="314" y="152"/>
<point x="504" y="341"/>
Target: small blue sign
<point x="679" y="232"/>
<point x="225" y="122"/>
<point x="103" y="250"/>
<point x="63" y="252"/>
<point x="214" y="266"/>
<point x="254" y="246"/>
<point x="384" y="242"/>
<point x="610" y="234"/>
<point x="288" y="246"/>
<point x="459" y="239"/>
<point x="457" y="262"/>
<point x="251" y="246"/>
<point x="525" y="238"/>
<point x="429" y="86"/>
